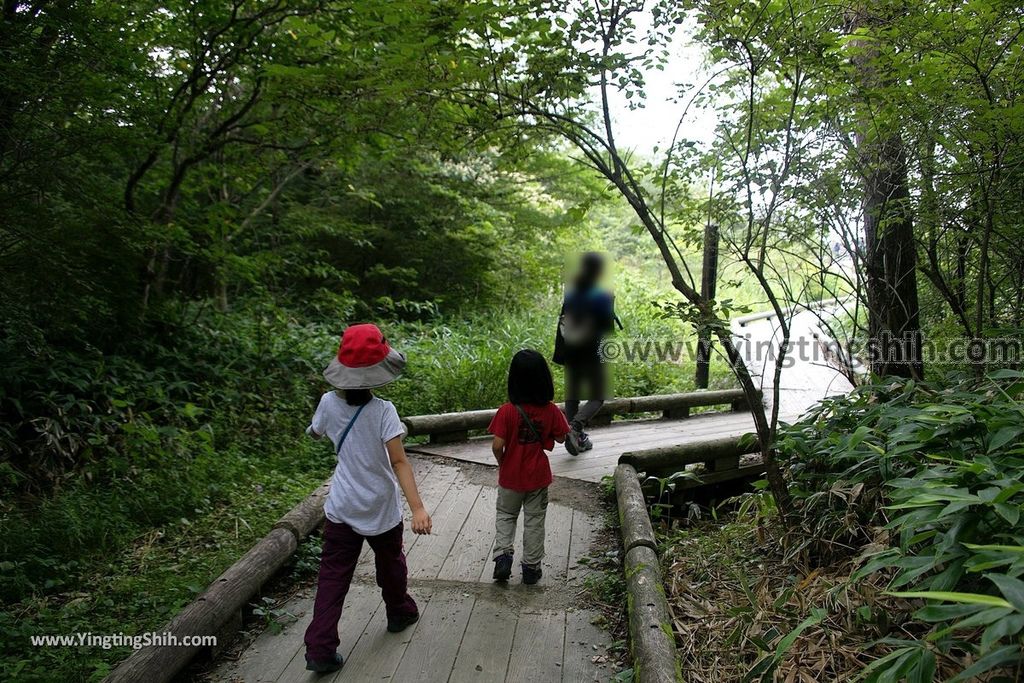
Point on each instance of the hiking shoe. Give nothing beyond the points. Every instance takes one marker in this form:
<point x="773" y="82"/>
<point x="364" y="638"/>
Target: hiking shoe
<point x="573" y="439"/>
<point x="531" y="574"/>
<point x="324" y="666"/>
<point x="502" y="567"/>
<point x="402" y="622"/>
<point x="585" y="443"/>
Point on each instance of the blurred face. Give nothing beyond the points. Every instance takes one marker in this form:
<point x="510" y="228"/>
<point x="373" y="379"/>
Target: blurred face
<point x="591" y="266"/>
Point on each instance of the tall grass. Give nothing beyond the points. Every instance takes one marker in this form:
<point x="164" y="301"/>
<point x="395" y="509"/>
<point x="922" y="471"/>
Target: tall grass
<point x="463" y="365"/>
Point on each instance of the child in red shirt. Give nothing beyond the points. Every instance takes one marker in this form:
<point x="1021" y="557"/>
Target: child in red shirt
<point x="524" y="428"/>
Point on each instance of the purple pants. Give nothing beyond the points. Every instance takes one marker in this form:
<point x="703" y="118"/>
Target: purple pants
<point x="342" y="546"/>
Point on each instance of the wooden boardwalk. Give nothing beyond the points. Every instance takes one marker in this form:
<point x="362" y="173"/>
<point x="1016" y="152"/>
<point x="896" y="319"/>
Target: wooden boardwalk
<point x="811" y="375"/>
<point x="470" y="629"/>
<point x="610" y="442"/>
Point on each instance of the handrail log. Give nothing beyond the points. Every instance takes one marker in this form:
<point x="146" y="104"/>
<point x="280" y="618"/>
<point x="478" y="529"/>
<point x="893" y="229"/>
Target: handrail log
<point x="650" y="624"/>
<point x="633" y="518"/>
<point x="770" y="313"/>
<point x="678" y="404"/>
<point x="727" y="448"/>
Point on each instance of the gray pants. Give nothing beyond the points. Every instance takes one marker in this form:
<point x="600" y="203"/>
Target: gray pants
<point x="534" y="505"/>
<point x="593" y="375"/>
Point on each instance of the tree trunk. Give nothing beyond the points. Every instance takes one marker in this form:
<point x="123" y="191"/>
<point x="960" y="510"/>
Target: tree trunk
<point x="890" y="254"/>
<point x="890" y="250"/>
<point x="765" y="429"/>
<point x="983" y="263"/>
<point x="963" y="247"/>
<point x="708" y="282"/>
<point x="222" y="293"/>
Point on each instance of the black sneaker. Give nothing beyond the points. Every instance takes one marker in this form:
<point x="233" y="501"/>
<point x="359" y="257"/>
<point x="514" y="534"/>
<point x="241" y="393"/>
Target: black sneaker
<point x="573" y="439"/>
<point x="402" y="622"/>
<point x="585" y="443"/>
<point x="502" y="567"/>
<point x="531" y="574"/>
<point x="325" y="666"/>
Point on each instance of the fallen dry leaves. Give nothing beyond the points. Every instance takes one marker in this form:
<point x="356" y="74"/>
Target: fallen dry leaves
<point x="733" y="599"/>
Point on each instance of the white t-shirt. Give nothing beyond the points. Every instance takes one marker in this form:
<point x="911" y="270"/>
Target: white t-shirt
<point x="364" y="489"/>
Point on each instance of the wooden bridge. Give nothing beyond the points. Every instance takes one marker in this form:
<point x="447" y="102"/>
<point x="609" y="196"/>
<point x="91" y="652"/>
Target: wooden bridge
<point x="449" y="433"/>
<point x="472" y="629"/>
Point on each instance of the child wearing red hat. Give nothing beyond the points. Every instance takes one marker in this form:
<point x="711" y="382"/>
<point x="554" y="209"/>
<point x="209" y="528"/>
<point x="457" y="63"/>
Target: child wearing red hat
<point x="363" y="502"/>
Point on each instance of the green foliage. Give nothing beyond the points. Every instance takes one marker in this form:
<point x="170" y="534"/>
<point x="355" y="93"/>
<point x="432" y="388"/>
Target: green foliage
<point x="661" y="489"/>
<point x="937" y="470"/>
<point x="297" y="166"/>
<point x="464" y="365"/>
<point x="765" y="667"/>
<point x="230" y="152"/>
<point x="272" y="616"/>
<point x="133" y="480"/>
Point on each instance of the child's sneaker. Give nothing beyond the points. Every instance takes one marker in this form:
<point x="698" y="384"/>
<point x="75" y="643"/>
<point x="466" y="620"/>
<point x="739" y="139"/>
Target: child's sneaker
<point x="574" y="439"/>
<point x="531" y="574"/>
<point x="323" y="666"/>
<point x="402" y="622"/>
<point x="502" y="567"/>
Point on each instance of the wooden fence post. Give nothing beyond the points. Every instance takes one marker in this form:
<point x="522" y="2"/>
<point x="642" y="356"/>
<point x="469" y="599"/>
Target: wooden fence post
<point x="708" y="282"/>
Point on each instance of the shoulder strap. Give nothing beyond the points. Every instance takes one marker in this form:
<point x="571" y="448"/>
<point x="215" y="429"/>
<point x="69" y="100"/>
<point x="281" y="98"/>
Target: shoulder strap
<point x="615" y="316"/>
<point x="351" y="422"/>
<point x="529" y="422"/>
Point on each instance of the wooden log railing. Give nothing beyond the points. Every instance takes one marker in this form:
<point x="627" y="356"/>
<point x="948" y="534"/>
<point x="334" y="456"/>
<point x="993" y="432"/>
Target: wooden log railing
<point x="744" y="320"/>
<point x="451" y="427"/>
<point x="652" y="642"/>
<point x="721" y="459"/>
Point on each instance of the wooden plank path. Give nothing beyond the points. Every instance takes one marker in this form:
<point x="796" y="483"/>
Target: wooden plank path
<point x="470" y="628"/>
<point x="610" y="442"/>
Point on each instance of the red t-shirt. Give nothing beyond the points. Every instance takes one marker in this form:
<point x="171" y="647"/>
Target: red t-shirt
<point x="525" y="466"/>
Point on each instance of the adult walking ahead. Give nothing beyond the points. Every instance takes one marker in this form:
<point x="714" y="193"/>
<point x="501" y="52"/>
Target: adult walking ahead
<point x="587" y="315"/>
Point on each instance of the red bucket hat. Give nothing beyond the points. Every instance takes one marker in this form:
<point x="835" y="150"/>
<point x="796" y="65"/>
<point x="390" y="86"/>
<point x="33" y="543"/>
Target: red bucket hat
<point x="364" y="360"/>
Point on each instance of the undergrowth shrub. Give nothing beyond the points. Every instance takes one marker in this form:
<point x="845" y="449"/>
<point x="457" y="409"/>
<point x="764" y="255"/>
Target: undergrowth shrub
<point x="927" y="481"/>
<point x="97" y="448"/>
